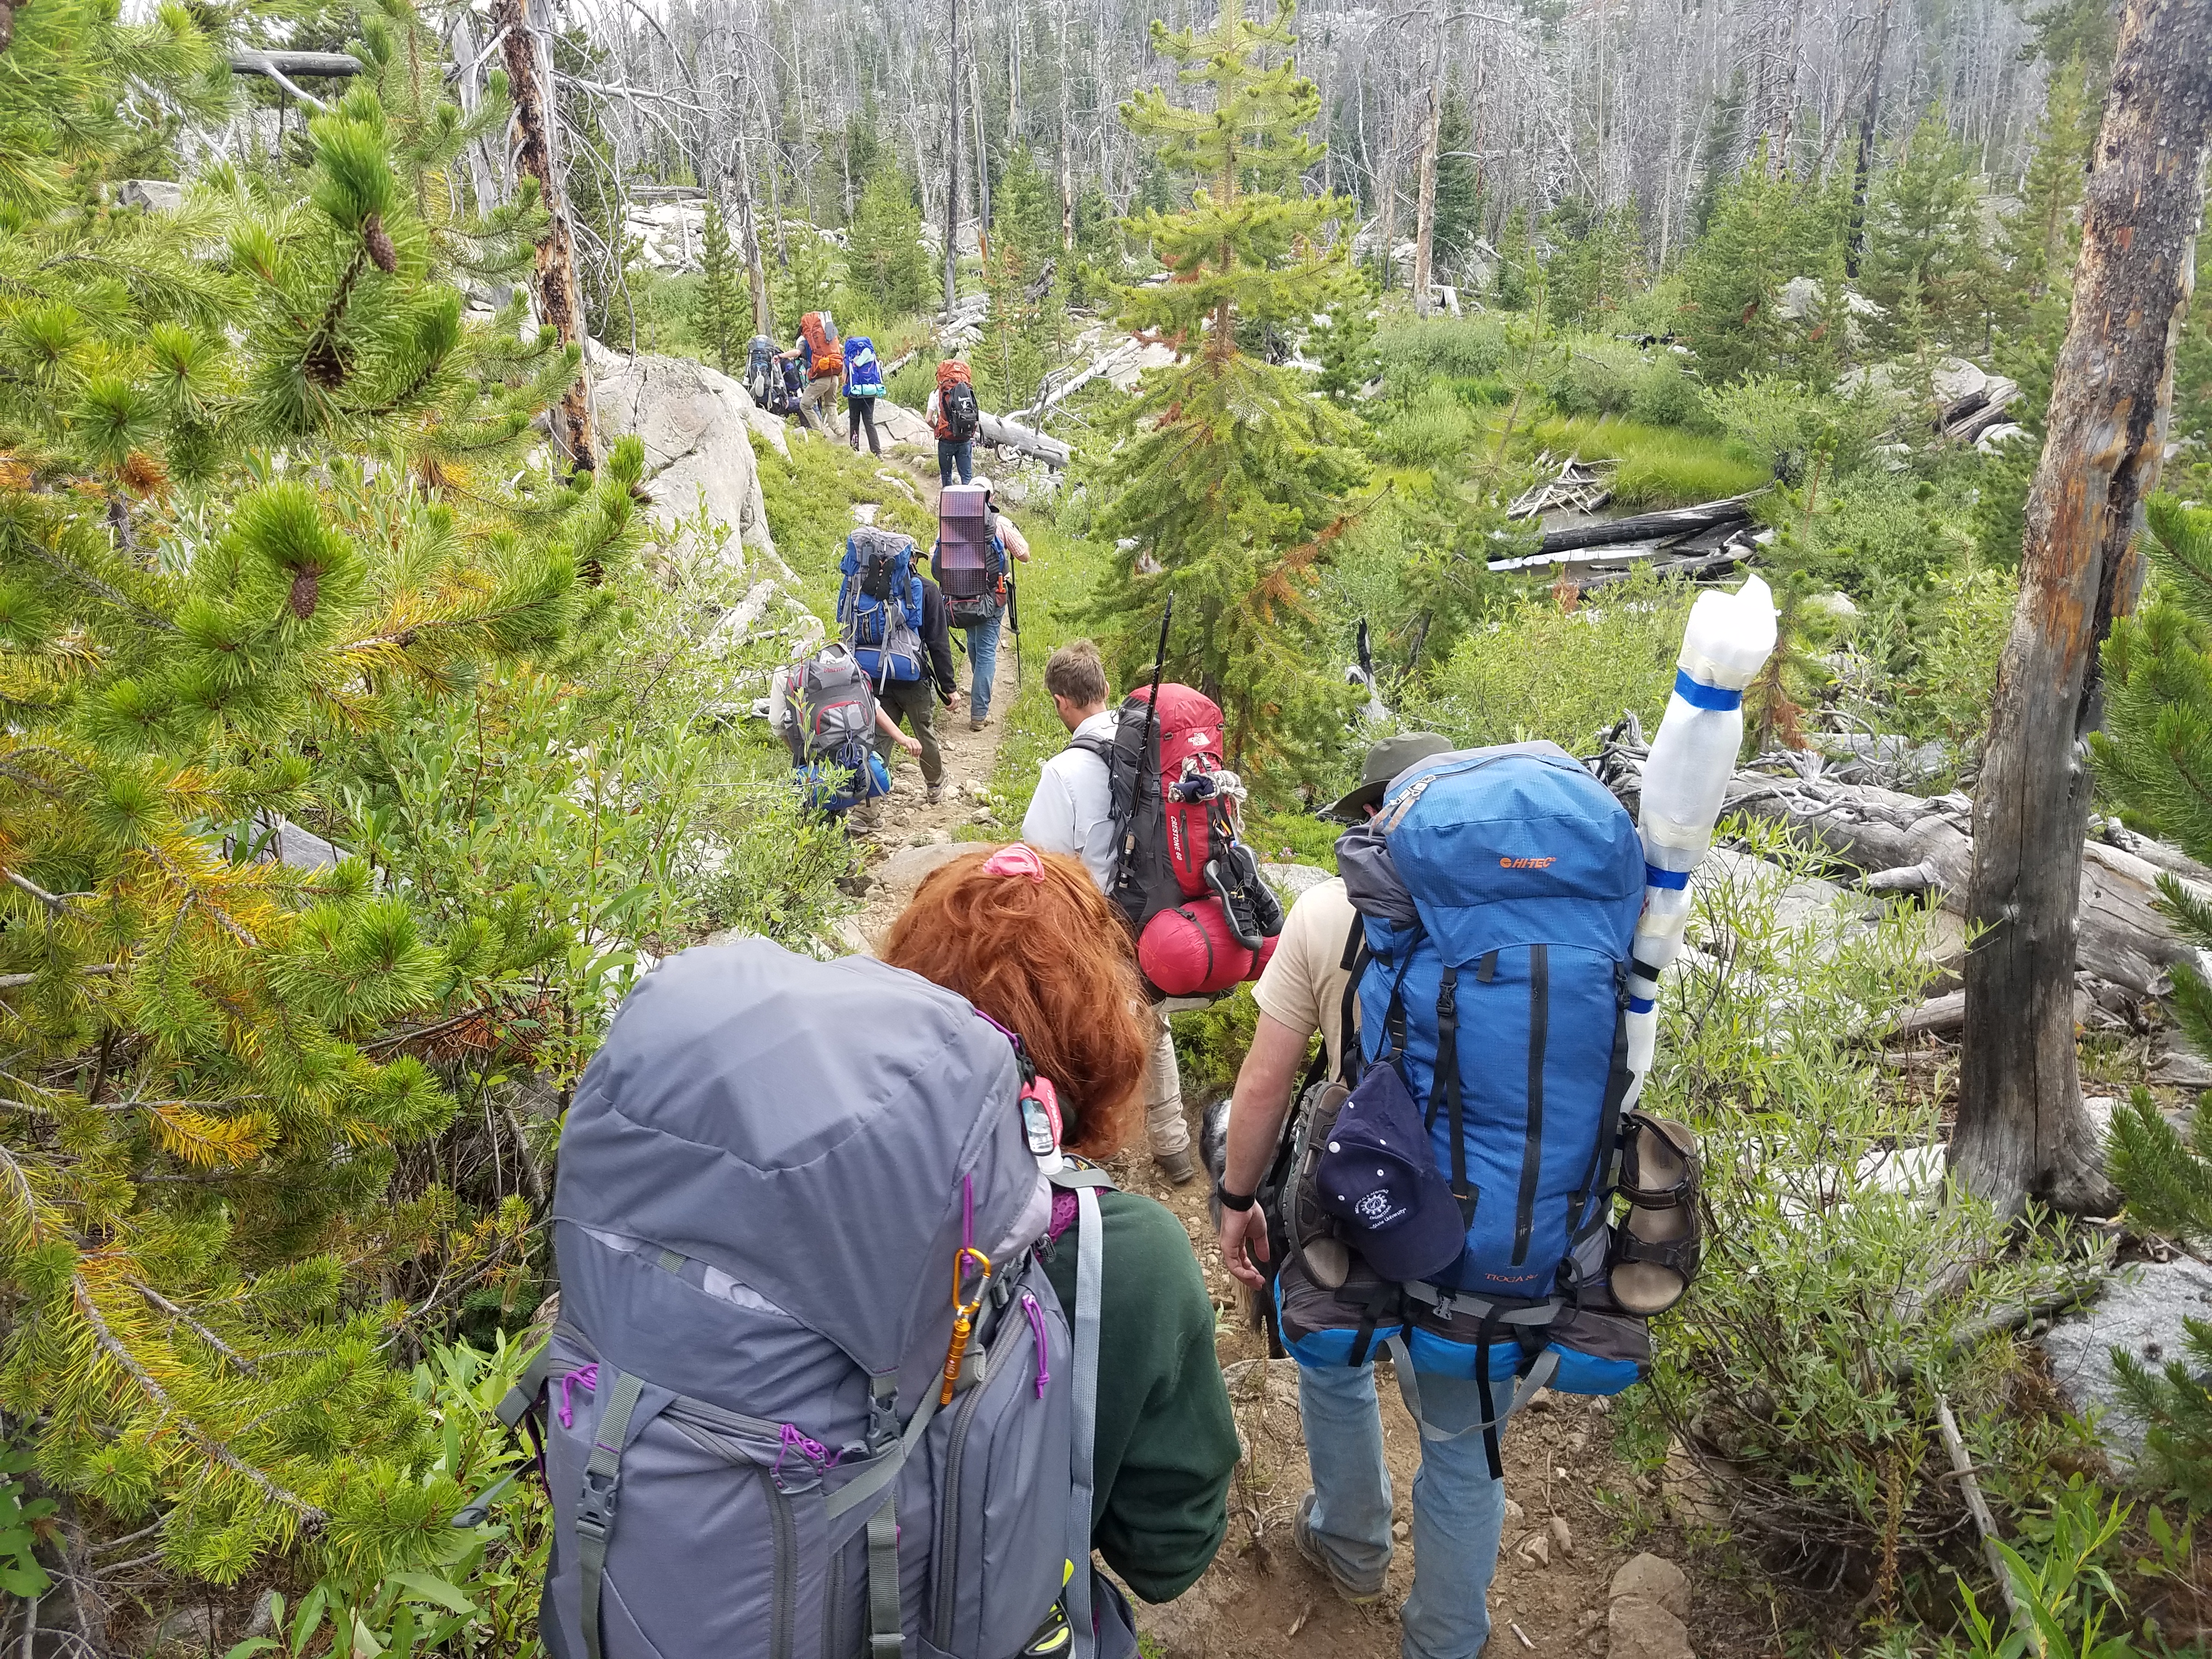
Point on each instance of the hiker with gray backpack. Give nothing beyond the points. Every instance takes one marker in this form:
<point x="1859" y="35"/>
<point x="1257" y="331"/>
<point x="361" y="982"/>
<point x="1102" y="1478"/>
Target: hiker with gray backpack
<point x="826" y="1378"/>
<point x="826" y="711"/>
<point x="1444" y="1187"/>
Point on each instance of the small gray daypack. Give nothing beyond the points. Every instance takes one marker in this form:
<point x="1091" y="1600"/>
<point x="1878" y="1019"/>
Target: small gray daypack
<point x="765" y="1177"/>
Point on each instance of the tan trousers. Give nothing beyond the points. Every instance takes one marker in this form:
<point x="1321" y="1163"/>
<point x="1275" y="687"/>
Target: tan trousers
<point x="817" y="400"/>
<point x="1163" y="1120"/>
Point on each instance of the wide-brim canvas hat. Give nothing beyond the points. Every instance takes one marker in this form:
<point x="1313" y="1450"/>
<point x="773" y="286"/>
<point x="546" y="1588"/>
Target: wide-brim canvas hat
<point x="1378" y="1176"/>
<point x="1384" y="762"/>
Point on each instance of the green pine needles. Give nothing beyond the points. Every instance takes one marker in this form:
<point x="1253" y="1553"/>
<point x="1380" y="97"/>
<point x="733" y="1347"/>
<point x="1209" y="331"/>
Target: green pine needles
<point x="1228" y="482"/>
<point x="264" y="486"/>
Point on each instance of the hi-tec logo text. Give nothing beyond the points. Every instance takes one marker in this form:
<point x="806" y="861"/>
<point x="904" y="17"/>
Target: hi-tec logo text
<point x="1526" y="864"/>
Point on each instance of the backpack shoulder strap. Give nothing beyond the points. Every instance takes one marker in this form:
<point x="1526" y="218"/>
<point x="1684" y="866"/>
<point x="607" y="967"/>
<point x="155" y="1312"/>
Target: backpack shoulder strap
<point x="1090" y="1265"/>
<point x="1102" y="747"/>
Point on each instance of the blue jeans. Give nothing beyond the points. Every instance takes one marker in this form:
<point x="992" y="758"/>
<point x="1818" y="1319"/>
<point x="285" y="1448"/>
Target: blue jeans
<point x="984" y="653"/>
<point x="1458" y="1509"/>
<point x="951" y="455"/>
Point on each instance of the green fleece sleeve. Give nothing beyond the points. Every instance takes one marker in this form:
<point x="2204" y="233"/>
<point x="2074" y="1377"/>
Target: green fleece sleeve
<point x="1166" y="1440"/>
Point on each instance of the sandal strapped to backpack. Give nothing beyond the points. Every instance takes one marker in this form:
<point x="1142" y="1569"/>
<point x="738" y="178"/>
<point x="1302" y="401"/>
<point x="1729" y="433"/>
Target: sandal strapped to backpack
<point x="1658" y="1243"/>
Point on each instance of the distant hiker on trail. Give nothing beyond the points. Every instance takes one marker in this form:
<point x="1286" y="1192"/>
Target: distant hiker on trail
<point x="760" y="369"/>
<point x="955" y="416"/>
<point x="1446" y="1188"/>
<point x="970" y="524"/>
<point x="1028" y="939"/>
<point x="864" y="383"/>
<point x="916" y="699"/>
<point x="827" y="713"/>
<point x="1071" y="814"/>
<point x="879" y="616"/>
<point x="824" y="357"/>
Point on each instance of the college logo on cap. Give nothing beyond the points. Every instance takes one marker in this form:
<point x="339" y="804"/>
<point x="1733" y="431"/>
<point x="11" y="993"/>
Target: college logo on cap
<point x="1375" y="1208"/>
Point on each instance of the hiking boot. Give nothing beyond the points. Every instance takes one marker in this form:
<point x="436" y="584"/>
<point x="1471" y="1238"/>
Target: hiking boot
<point x="1358" y="1588"/>
<point x="1178" y="1167"/>
<point x="933" y="794"/>
<point x="975" y="722"/>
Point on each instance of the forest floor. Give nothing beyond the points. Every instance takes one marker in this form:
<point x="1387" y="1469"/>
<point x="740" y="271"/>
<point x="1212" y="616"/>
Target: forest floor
<point x="1575" y="1514"/>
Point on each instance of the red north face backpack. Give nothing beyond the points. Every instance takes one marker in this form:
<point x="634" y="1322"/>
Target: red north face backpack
<point x="1180" y="868"/>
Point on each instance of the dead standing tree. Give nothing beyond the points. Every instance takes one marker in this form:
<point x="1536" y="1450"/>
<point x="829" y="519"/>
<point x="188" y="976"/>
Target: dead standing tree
<point x="529" y="72"/>
<point x="2022" y="1133"/>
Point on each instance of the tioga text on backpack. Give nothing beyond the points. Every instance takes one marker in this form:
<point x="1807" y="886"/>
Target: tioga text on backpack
<point x="1499" y="891"/>
<point x="958" y="415"/>
<point x="864" y="376"/>
<point x="1203" y="916"/>
<point x="879" y="603"/>
<point x="779" y="1182"/>
<point x="825" y="357"/>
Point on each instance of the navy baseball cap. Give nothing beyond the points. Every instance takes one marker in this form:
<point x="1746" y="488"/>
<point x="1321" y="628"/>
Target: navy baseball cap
<point x="1378" y="1175"/>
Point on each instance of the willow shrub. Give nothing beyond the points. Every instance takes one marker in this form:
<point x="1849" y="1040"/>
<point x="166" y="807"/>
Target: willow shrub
<point x="1844" y="1286"/>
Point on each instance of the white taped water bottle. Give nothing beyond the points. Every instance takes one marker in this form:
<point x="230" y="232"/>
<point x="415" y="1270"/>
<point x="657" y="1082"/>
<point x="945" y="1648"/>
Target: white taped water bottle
<point x="1728" y="641"/>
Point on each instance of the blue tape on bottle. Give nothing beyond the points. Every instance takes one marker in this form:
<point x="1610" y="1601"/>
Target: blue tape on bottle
<point x="1698" y="695"/>
<point x="1641" y="1004"/>
<point x="1655" y="876"/>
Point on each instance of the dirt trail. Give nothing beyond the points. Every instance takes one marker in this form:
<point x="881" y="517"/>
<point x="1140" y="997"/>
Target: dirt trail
<point x="1561" y="1545"/>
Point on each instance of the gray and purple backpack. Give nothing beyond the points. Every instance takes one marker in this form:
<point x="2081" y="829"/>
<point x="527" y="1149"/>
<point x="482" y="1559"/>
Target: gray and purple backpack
<point x="776" y="1175"/>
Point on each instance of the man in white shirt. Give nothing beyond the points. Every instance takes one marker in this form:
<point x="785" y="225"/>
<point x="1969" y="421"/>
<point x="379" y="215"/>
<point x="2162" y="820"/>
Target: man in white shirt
<point x="1072" y="812"/>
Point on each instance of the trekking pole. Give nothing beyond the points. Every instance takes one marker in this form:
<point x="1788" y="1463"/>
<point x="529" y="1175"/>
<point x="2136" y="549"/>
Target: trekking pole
<point x="1014" y="623"/>
<point x="1151" y="727"/>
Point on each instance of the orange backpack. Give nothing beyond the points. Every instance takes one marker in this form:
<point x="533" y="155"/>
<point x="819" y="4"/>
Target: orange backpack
<point x="825" y="355"/>
<point x="957" y="415"/>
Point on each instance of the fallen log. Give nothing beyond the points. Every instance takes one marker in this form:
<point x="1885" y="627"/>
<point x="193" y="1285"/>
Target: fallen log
<point x="1903" y="843"/>
<point x="258" y="61"/>
<point x="1646" y="526"/>
<point x="1012" y="435"/>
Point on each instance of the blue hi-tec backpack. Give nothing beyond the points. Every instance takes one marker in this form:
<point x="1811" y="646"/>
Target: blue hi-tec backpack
<point x="864" y="376"/>
<point x="879" y="605"/>
<point x="1498" y="890"/>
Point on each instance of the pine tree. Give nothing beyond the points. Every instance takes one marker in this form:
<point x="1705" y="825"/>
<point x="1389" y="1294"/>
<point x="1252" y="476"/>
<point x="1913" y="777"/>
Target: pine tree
<point x="1229" y="479"/>
<point x="1459" y="182"/>
<point x="2038" y="238"/>
<point x="723" y="306"/>
<point x="885" y="252"/>
<point x="263" y="484"/>
<point x="1764" y="231"/>
<point x="1924" y="224"/>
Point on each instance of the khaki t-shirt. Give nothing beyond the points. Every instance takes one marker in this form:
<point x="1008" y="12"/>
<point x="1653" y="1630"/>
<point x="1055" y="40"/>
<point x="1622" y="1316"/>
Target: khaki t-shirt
<point x="1302" y="986"/>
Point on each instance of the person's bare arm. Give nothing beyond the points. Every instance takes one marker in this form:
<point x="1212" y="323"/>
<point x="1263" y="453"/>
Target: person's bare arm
<point x="1256" y="1111"/>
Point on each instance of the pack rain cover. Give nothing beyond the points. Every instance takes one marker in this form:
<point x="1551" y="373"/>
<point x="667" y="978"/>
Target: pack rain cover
<point x="804" y="1127"/>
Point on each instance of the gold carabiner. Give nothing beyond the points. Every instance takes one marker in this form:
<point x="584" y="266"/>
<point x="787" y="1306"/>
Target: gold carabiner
<point x="963" y="1315"/>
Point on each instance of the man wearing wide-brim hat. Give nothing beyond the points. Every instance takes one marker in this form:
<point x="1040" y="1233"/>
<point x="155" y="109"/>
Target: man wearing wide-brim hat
<point x="1343" y="1525"/>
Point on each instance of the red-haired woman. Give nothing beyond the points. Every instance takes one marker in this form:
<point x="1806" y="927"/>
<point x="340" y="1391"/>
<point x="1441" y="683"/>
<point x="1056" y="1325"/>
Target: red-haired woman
<point x="1028" y="939"/>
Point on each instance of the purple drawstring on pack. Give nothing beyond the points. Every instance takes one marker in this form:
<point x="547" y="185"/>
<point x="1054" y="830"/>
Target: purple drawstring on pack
<point x="586" y="1377"/>
<point x="968" y="1212"/>
<point x="1036" y="1329"/>
<point x="793" y="1440"/>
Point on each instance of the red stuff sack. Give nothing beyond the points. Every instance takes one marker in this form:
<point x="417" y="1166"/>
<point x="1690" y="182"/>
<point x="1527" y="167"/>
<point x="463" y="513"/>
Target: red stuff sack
<point x="1188" y="952"/>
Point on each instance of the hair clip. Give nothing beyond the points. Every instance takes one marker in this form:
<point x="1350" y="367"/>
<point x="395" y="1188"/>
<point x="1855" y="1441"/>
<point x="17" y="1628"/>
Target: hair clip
<point x="1016" y="859"/>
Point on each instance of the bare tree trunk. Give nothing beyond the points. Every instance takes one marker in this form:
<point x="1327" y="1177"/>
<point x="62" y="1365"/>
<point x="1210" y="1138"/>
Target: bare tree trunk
<point x="982" y="159"/>
<point x="749" y="233"/>
<point x="1067" y="165"/>
<point x="2022" y="1131"/>
<point x="1424" y="224"/>
<point x="952" y="164"/>
<point x="1389" y="225"/>
<point x="529" y="73"/>
<point x="1855" y="249"/>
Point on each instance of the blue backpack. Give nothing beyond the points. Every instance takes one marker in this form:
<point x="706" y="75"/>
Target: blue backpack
<point x="1499" y="891"/>
<point x="879" y="603"/>
<point x="864" y="376"/>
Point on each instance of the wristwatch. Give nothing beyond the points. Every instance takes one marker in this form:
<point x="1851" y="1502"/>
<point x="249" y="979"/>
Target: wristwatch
<point x="1234" y="1201"/>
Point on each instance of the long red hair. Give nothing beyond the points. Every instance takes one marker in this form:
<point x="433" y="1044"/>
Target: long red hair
<point x="1049" y="959"/>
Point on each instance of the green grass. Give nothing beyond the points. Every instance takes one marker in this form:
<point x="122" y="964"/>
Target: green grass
<point x="1660" y="466"/>
<point x="810" y="500"/>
